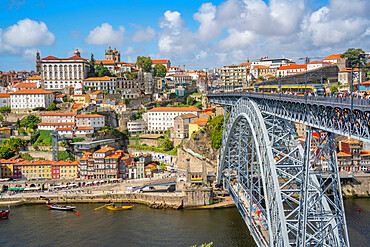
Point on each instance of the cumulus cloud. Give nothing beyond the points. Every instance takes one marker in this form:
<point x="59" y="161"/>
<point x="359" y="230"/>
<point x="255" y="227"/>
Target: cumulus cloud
<point x="144" y="35"/>
<point x="28" y="33"/>
<point x="236" y="29"/>
<point x="25" y="34"/>
<point x="105" y="35"/>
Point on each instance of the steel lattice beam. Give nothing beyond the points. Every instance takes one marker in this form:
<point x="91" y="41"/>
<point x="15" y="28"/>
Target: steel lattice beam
<point x="265" y="168"/>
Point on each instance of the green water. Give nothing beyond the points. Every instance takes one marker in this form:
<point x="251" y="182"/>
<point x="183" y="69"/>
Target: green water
<point x="37" y="226"/>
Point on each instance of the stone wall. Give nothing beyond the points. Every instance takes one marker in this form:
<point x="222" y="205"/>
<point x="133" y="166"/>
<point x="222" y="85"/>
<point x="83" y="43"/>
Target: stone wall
<point x="149" y="142"/>
<point x="195" y="162"/>
<point x="359" y="185"/>
<point x="39" y="154"/>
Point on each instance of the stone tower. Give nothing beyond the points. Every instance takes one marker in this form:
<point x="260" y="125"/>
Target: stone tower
<point x="38" y="62"/>
<point x="109" y="54"/>
<point x="117" y="56"/>
<point x="77" y="53"/>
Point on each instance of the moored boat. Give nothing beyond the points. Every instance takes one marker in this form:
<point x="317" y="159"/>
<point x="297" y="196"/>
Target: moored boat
<point x="117" y="208"/>
<point x="60" y="207"/>
<point x="4" y="213"/>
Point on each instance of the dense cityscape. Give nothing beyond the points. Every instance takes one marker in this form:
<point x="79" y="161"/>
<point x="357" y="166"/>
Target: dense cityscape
<point x="283" y="141"/>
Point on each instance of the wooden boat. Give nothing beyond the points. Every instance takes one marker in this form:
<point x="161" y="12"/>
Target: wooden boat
<point x="118" y="208"/>
<point x="60" y="207"/>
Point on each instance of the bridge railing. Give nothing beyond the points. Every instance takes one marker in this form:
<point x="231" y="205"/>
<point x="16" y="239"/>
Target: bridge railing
<point x="309" y="99"/>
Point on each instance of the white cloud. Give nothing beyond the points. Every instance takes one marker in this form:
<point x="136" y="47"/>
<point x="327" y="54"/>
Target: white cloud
<point x="29" y="54"/>
<point x="28" y="33"/>
<point x="105" y="35"/>
<point x="171" y="20"/>
<point x="144" y="35"/>
<point x="238" y="39"/>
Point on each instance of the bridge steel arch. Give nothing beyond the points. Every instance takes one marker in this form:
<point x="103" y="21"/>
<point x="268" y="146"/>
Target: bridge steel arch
<point x="283" y="200"/>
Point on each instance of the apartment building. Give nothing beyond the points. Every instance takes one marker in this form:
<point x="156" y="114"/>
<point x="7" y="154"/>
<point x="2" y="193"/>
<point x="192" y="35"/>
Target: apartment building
<point x="102" y="83"/>
<point x="136" y="126"/>
<point x="63" y="117"/>
<point x="30" y="98"/>
<point x="162" y="118"/>
<point x="105" y="163"/>
<point x="92" y="120"/>
<point x="181" y="125"/>
<point x="4" y="99"/>
<point x="235" y="77"/>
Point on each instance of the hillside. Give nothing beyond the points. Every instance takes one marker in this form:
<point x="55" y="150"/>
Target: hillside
<point x="207" y="142"/>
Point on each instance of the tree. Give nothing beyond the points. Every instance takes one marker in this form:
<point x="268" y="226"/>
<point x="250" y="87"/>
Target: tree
<point x="65" y="99"/>
<point x="1" y="117"/>
<point x="356" y="57"/>
<point x="30" y="121"/>
<point x="334" y="89"/>
<point x="105" y="92"/>
<point x="5" y="109"/>
<point x="159" y="70"/>
<point x="127" y="101"/>
<point x="144" y="63"/>
<point x="52" y="107"/>
<point x="92" y="67"/>
<point x="190" y="100"/>
<point x="18" y="124"/>
<point x="102" y="71"/>
<point x="167" y="145"/>
<point x="118" y="90"/>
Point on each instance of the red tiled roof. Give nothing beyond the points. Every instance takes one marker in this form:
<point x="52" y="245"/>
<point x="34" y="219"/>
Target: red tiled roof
<point x="32" y="91"/>
<point x="200" y="121"/>
<point x="96" y="92"/>
<point x="24" y="84"/>
<point x="190" y="108"/>
<point x="4" y="95"/>
<point x="60" y="114"/>
<point x="89" y="116"/>
<point x="55" y="124"/>
<point x="34" y="78"/>
<point x="333" y="56"/>
<point x="97" y="62"/>
<point x="160" y="61"/>
<point x="105" y="78"/>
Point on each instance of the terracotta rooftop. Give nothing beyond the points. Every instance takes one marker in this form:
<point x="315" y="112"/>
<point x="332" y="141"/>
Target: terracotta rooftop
<point x="105" y="78"/>
<point x="89" y="116"/>
<point x="32" y="91"/>
<point x="200" y="121"/>
<point x="174" y="109"/>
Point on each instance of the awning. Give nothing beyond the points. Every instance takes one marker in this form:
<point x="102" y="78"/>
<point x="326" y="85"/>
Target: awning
<point x="16" y="189"/>
<point x="71" y="185"/>
<point x="88" y="183"/>
<point x="32" y="188"/>
<point x="95" y="182"/>
<point x="101" y="181"/>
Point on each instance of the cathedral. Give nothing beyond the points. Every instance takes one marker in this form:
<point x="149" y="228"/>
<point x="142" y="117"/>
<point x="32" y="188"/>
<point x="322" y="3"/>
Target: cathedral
<point x="113" y="55"/>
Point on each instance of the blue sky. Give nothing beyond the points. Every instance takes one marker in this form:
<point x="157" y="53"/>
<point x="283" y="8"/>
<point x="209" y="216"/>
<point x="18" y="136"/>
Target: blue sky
<point x="198" y="34"/>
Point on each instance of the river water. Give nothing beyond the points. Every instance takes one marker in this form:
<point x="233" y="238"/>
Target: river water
<point x="37" y="226"/>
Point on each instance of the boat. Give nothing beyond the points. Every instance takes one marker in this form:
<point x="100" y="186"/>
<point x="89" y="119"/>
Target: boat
<point x="118" y="208"/>
<point x="5" y="213"/>
<point x="60" y="207"/>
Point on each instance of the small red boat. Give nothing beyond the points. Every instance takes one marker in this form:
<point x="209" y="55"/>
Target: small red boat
<point x="4" y="213"/>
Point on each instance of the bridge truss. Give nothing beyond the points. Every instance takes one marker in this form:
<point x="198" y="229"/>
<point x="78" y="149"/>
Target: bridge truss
<point x="288" y="194"/>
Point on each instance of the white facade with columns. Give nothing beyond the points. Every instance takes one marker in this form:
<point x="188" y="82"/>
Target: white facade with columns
<point x="58" y="73"/>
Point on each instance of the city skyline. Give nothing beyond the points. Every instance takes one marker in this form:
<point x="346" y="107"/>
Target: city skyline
<point x="198" y="34"/>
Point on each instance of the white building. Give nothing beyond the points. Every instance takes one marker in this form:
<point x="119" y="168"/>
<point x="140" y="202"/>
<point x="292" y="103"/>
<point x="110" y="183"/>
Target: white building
<point x="23" y="85"/>
<point x="3" y="89"/>
<point x="317" y="64"/>
<point x="102" y="83"/>
<point x="4" y="99"/>
<point x="291" y="69"/>
<point x="31" y="98"/>
<point x="136" y="126"/>
<point x="334" y="58"/>
<point x="79" y="131"/>
<point x="93" y="120"/>
<point x="53" y="126"/>
<point x="58" y="73"/>
<point x="165" y="62"/>
<point x="162" y="118"/>
<point x="64" y="117"/>
<point x="34" y="79"/>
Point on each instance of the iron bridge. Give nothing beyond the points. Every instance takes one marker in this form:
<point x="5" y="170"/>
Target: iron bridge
<point x="288" y="194"/>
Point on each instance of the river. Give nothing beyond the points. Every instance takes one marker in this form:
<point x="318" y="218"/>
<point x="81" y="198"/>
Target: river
<point x="37" y="226"/>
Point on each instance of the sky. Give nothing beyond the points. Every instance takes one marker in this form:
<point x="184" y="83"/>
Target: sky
<point x="197" y="34"/>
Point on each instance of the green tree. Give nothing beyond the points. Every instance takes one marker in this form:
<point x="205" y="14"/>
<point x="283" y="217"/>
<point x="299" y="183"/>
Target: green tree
<point x="334" y="89"/>
<point x="1" y="117"/>
<point x="118" y="90"/>
<point x="144" y="63"/>
<point x="127" y="101"/>
<point x="18" y="124"/>
<point x="30" y="121"/>
<point x="190" y="100"/>
<point x="5" y="109"/>
<point x="52" y="107"/>
<point x="167" y="145"/>
<point x="92" y="67"/>
<point x="159" y="70"/>
<point x="356" y="57"/>
<point x="105" y="92"/>
<point x="65" y="99"/>
<point x="102" y="71"/>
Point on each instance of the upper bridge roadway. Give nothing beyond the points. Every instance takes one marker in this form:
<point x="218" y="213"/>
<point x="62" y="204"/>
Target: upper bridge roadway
<point x="344" y="116"/>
